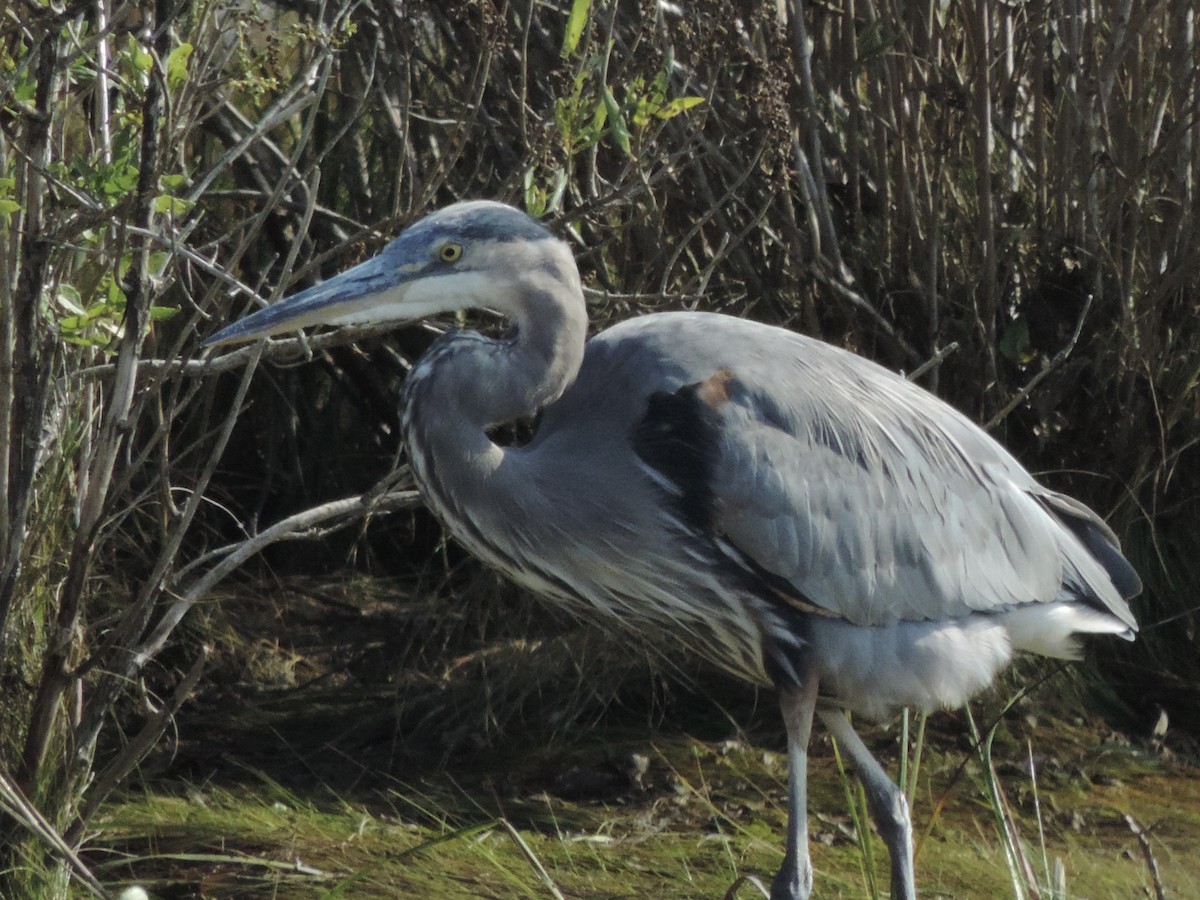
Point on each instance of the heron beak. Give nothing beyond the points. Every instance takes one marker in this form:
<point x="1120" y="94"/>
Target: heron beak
<point x="370" y="292"/>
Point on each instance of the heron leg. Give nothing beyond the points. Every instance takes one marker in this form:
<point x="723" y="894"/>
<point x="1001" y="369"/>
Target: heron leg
<point x="794" y="879"/>
<point x="888" y="804"/>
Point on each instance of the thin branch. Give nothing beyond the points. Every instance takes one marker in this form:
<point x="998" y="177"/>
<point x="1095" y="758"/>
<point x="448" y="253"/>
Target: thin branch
<point x="933" y="361"/>
<point x="276" y="350"/>
<point x="310" y="523"/>
<point x="1143" y="837"/>
<point x="1059" y="358"/>
<point x="847" y="293"/>
<point x="811" y="164"/>
<point x="143" y="742"/>
<point x="14" y="802"/>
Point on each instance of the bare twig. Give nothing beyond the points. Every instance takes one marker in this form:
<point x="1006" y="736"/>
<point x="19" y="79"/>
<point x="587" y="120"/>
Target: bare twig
<point x="1059" y="358"/>
<point x="847" y="293"/>
<point x="1143" y="837"/>
<point x="811" y="162"/>
<point x="932" y="362"/>
<point x="142" y="743"/>
<point x="26" y="355"/>
<point x="14" y="802"/>
<point x="278" y="350"/>
<point x="315" y="522"/>
<point x="979" y="30"/>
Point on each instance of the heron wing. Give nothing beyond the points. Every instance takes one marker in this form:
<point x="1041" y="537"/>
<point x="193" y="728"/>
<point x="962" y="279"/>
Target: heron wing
<point x="878" y="503"/>
<point x="854" y="491"/>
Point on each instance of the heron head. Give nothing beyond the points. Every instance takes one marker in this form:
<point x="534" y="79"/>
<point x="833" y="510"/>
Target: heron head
<point x="474" y="254"/>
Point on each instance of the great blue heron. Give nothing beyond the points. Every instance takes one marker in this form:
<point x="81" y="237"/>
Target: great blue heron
<point x="793" y="513"/>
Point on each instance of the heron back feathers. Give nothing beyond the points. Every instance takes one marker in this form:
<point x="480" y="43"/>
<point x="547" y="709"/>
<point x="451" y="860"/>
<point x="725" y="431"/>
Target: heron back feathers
<point x="856" y="496"/>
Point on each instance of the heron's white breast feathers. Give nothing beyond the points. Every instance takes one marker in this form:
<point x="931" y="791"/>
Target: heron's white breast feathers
<point x="930" y="665"/>
<point x="924" y="665"/>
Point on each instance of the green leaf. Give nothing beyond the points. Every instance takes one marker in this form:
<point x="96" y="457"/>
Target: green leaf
<point x="114" y="296"/>
<point x="169" y="183"/>
<point x="539" y="200"/>
<point x="535" y="197"/>
<point x="564" y="118"/>
<point x="595" y="128"/>
<point x="119" y="179"/>
<point x="177" y="64"/>
<point x="158" y="313"/>
<point x="577" y="21"/>
<point x="658" y="87"/>
<point x="672" y="108"/>
<point x="7" y="208"/>
<point x="97" y="310"/>
<point x="25" y="90"/>
<point x="69" y="299"/>
<point x="173" y="206"/>
<point x="1014" y="344"/>
<point x="557" y="191"/>
<point x="137" y="55"/>
<point x="619" y="127"/>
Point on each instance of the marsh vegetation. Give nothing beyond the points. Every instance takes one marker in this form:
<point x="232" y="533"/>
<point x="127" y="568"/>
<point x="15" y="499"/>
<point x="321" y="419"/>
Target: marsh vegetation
<point x="1007" y="190"/>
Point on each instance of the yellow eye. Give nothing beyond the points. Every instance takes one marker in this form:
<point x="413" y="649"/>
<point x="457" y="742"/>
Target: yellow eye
<point x="450" y="253"/>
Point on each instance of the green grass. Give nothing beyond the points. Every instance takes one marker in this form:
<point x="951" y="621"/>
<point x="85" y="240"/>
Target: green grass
<point x="302" y="771"/>
<point x="709" y="814"/>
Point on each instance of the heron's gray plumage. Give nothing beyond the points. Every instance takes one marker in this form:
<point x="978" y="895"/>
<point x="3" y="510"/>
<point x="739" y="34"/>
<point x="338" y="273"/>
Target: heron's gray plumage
<point x="791" y="512"/>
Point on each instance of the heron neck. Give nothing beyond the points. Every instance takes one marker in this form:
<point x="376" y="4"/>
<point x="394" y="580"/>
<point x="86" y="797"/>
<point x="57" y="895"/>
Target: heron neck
<point x="536" y="362"/>
<point x="467" y="383"/>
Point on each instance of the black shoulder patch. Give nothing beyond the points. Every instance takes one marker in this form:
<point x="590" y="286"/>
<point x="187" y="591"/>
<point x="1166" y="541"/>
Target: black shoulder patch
<point x="678" y="436"/>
